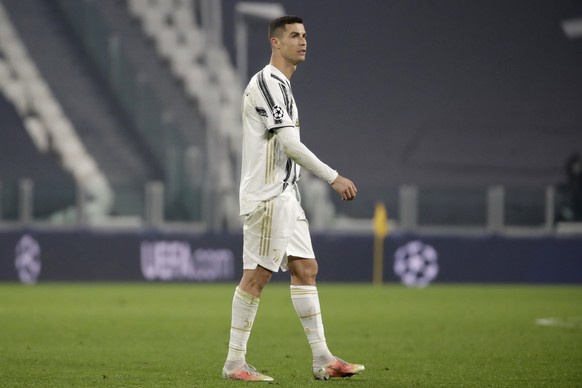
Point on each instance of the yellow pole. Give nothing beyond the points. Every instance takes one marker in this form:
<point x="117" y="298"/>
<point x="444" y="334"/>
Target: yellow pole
<point x="380" y="233"/>
<point x="378" y="269"/>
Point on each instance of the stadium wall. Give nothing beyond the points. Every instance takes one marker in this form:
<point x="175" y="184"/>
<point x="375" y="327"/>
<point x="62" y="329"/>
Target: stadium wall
<point x="31" y="255"/>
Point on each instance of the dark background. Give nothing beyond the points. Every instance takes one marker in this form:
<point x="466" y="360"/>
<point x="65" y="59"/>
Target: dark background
<point x="436" y="93"/>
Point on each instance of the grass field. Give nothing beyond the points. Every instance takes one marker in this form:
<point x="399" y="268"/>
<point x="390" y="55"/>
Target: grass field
<point x="176" y="335"/>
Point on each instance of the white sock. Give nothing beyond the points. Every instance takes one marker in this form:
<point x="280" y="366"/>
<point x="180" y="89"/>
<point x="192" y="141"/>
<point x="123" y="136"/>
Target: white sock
<point x="306" y="302"/>
<point x="244" y="310"/>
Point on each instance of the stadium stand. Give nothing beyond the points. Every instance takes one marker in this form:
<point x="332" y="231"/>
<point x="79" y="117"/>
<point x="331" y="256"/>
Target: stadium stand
<point x="20" y="159"/>
<point x="182" y="89"/>
<point x="140" y="51"/>
<point x="42" y="116"/>
<point x="199" y="61"/>
<point x="82" y="99"/>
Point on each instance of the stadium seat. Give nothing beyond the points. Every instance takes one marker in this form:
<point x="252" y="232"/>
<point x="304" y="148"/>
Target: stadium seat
<point x="136" y="7"/>
<point x="182" y="17"/>
<point x="15" y="52"/>
<point x="6" y="31"/>
<point x="38" y="133"/>
<point x="181" y="61"/>
<point x="27" y="71"/>
<point x="49" y="110"/>
<point x="195" y="81"/>
<point x="152" y="21"/>
<point x="166" y="41"/>
<point x="61" y="129"/>
<point x="194" y="39"/>
<point x="16" y="93"/>
<point x="38" y="91"/>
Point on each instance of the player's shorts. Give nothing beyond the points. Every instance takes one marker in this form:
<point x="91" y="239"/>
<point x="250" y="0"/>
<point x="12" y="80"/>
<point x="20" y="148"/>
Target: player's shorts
<point x="276" y="229"/>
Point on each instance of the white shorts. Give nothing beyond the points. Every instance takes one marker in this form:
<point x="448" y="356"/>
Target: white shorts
<point x="277" y="228"/>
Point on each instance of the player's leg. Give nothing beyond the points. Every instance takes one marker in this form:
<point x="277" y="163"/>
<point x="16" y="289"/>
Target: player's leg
<point x="303" y="269"/>
<point x="245" y="304"/>
<point x="305" y="298"/>
<point x="254" y="280"/>
<point x="265" y="237"/>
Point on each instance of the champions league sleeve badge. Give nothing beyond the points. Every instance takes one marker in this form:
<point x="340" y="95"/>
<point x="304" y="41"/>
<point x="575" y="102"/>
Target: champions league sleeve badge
<point x="278" y="112"/>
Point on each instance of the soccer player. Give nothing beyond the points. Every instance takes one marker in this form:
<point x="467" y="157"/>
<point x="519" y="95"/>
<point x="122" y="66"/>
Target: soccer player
<point x="276" y="233"/>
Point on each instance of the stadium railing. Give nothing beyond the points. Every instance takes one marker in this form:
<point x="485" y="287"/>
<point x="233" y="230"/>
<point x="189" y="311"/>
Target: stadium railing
<point x="493" y="210"/>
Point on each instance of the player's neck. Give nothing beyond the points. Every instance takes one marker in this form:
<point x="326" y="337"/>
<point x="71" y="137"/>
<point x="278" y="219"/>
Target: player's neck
<point x="283" y="66"/>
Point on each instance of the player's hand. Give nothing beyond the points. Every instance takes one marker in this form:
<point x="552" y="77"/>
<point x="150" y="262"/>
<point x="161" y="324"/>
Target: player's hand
<point x="345" y="188"/>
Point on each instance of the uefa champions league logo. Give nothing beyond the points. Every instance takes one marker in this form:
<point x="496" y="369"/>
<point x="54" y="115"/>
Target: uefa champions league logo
<point x="27" y="261"/>
<point x="416" y="264"/>
<point x="278" y="112"/>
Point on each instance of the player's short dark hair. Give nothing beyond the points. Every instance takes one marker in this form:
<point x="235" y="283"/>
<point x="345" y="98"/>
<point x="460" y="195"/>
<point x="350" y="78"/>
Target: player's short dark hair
<point x="281" y="22"/>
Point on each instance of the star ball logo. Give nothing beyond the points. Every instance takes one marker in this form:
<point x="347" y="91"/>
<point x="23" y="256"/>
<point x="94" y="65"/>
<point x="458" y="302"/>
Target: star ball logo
<point x="27" y="260"/>
<point x="278" y="112"/>
<point x="416" y="264"/>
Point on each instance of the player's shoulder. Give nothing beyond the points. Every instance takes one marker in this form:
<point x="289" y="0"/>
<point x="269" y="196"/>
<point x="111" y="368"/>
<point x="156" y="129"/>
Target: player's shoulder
<point x="272" y="76"/>
<point x="268" y="82"/>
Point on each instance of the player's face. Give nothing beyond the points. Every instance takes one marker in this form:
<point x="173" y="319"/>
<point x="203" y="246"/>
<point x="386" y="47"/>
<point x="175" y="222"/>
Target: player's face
<point x="293" y="43"/>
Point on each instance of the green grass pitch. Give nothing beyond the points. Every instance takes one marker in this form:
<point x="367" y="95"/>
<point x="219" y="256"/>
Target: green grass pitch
<point x="176" y="335"/>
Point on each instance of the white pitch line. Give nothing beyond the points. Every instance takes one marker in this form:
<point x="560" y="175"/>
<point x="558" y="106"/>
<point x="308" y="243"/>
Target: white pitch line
<point x="567" y="322"/>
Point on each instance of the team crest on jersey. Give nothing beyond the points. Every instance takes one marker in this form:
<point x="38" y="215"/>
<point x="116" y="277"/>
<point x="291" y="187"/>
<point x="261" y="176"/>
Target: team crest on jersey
<point x="278" y="112"/>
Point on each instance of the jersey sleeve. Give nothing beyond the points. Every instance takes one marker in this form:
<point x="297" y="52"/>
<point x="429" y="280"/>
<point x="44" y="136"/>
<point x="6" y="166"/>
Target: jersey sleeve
<point x="275" y="105"/>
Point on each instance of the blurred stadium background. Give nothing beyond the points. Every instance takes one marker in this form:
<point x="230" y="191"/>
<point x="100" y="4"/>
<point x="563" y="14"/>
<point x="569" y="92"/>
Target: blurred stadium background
<point x="120" y="134"/>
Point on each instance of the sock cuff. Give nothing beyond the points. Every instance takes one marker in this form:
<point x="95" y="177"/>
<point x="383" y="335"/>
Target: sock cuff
<point x="246" y="297"/>
<point x="303" y="291"/>
<point x="306" y="288"/>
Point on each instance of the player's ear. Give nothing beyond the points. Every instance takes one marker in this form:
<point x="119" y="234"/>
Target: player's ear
<point x="274" y="42"/>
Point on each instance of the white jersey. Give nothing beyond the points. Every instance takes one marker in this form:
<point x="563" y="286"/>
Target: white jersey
<point x="267" y="105"/>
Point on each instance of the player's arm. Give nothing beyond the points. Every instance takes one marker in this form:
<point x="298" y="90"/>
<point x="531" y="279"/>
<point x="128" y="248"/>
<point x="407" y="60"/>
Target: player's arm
<point x="297" y="151"/>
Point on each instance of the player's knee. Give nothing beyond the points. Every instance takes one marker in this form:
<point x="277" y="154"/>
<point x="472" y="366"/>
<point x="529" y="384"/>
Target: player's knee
<point x="253" y="281"/>
<point x="261" y="281"/>
<point x="256" y="288"/>
<point x="306" y="274"/>
<point x="311" y="272"/>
